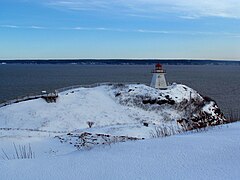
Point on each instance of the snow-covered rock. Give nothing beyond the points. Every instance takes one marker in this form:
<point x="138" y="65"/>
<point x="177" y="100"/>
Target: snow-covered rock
<point x="87" y="140"/>
<point x="178" y="103"/>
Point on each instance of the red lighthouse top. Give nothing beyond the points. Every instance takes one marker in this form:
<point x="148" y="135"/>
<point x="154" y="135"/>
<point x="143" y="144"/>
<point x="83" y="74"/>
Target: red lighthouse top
<point x="158" y="66"/>
<point x="158" y="69"/>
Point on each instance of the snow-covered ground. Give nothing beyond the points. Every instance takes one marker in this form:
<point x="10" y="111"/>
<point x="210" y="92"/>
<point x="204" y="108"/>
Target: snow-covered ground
<point x="213" y="154"/>
<point x="119" y="113"/>
<point x="117" y="110"/>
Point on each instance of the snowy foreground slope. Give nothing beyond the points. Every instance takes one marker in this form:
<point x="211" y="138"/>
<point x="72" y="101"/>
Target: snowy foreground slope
<point x="213" y="154"/>
<point x="120" y="113"/>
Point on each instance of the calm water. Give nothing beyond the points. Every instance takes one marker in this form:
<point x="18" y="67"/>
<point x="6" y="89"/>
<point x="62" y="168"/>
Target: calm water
<point x="221" y="82"/>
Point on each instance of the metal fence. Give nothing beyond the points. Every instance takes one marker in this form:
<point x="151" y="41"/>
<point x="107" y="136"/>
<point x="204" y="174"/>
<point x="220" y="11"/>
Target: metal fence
<point x="30" y="97"/>
<point x="82" y="86"/>
<point x="25" y="98"/>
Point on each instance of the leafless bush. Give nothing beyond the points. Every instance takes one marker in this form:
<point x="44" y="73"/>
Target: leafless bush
<point x="233" y="116"/>
<point x="90" y="124"/>
<point x="20" y="152"/>
<point x="164" y="131"/>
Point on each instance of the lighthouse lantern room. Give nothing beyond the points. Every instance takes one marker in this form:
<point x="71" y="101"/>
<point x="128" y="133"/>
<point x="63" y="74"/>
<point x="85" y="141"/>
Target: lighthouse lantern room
<point x="158" y="78"/>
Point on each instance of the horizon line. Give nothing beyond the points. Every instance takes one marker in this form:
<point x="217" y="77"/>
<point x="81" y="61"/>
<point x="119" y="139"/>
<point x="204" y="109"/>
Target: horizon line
<point x="96" y="59"/>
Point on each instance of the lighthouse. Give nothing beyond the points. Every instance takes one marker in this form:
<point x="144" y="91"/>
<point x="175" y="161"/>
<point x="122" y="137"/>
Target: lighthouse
<point x="158" y="78"/>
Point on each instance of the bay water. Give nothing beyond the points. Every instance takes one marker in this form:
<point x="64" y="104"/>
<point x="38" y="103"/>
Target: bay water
<point x="220" y="82"/>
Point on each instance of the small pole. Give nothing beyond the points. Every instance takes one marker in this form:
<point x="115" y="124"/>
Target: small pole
<point x="190" y="108"/>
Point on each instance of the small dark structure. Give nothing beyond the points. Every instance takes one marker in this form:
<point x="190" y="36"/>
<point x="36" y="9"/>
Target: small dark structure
<point x="50" y="97"/>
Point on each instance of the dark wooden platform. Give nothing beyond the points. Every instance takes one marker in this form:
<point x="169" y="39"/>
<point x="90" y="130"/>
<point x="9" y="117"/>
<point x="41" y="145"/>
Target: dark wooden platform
<point x="50" y="97"/>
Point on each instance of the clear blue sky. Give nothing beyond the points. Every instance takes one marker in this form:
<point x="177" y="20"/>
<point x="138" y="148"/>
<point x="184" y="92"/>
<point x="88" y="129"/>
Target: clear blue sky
<point x="208" y="29"/>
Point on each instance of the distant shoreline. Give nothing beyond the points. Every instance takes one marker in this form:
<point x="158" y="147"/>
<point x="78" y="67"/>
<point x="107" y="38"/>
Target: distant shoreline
<point x="123" y="62"/>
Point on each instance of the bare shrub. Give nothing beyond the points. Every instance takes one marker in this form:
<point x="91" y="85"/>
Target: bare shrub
<point x="20" y="152"/>
<point x="90" y="124"/>
<point x="164" y="131"/>
<point x="233" y="116"/>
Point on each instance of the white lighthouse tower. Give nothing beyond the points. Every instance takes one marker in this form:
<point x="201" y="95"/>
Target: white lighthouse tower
<point x="158" y="78"/>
